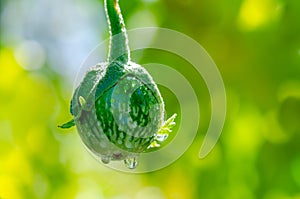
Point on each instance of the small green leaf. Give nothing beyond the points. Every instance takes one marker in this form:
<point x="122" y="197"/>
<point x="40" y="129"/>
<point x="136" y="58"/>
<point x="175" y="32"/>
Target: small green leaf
<point x="164" y="131"/>
<point x="67" y="125"/>
<point x="168" y="125"/>
<point x="154" y="144"/>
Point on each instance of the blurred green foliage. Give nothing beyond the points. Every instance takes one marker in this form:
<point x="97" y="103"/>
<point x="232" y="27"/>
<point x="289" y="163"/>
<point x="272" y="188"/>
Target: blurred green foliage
<point x="255" y="44"/>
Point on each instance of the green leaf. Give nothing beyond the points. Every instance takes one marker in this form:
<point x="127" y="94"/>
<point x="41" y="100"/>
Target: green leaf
<point x="67" y="125"/>
<point x="163" y="132"/>
<point x="168" y="125"/>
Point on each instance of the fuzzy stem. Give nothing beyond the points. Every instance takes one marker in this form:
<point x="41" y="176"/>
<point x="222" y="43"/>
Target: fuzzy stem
<point x="118" y="47"/>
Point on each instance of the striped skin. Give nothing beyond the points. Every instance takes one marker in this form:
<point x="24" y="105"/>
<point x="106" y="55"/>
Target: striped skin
<point x="117" y="108"/>
<point x="120" y="116"/>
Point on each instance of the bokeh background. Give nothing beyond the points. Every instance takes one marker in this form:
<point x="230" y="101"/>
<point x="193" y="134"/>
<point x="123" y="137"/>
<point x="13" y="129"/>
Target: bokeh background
<point x="256" y="46"/>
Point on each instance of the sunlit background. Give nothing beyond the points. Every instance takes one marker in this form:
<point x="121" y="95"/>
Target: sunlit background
<point x="256" y="46"/>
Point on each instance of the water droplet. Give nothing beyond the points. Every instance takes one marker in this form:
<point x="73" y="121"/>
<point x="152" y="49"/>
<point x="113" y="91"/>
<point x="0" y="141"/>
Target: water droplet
<point x="105" y="159"/>
<point x="161" y="137"/>
<point x="131" y="162"/>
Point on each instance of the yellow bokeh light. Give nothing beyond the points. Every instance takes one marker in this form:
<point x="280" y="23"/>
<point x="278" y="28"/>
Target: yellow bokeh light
<point x="9" y="70"/>
<point x="36" y="139"/>
<point x="178" y="186"/>
<point x="245" y="137"/>
<point x="255" y="13"/>
<point x="9" y="187"/>
<point x="16" y="164"/>
<point x="16" y="173"/>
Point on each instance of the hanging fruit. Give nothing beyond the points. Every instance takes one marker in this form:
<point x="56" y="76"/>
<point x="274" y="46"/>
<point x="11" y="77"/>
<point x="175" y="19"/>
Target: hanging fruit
<point x="117" y="108"/>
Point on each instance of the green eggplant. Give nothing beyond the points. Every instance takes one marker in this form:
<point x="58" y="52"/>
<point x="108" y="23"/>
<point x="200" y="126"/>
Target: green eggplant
<point x="117" y="108"/>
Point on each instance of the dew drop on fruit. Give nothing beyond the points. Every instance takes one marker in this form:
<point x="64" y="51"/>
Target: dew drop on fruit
<point x="131" y="162"/>
<point x="105" y="159"/>
<point x="161" y="137"/>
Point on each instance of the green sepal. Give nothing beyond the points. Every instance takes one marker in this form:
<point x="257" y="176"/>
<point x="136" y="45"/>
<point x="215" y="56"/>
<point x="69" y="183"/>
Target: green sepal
<point x="67" y="125"/>
<point x="163" y="132"/>
<point x="167" y="126"/>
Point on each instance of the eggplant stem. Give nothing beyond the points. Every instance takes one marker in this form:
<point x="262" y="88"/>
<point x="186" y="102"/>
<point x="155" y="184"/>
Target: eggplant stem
<point x="118" y="47"/>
